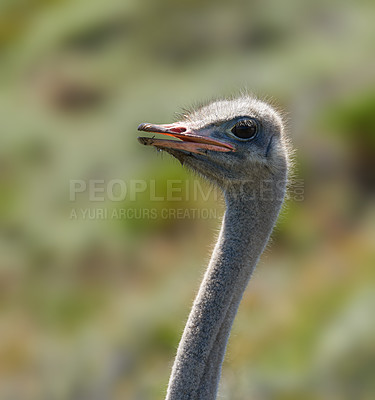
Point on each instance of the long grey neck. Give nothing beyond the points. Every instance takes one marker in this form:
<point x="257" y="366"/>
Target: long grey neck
<point x="247" y="225"/>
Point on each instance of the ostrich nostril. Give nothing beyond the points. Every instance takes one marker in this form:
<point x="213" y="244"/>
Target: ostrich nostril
<point x="178" y="130"/>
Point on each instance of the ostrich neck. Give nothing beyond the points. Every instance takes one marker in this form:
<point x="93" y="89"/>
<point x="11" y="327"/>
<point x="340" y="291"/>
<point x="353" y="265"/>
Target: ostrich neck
<point x="247" y="224"/>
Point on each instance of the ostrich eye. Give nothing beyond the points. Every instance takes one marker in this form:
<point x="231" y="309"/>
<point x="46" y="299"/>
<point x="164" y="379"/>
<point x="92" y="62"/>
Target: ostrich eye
<point x="245" y="129"/>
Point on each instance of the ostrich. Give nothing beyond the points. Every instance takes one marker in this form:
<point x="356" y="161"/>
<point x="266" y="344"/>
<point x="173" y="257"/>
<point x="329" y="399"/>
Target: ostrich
<point x="240" y="146"/>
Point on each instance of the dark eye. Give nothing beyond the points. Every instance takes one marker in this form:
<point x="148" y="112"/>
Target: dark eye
<point x="245" y="129"/>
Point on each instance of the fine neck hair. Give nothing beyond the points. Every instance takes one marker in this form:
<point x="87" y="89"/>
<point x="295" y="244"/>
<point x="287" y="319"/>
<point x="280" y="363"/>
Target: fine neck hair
<point x="252" y="208"/>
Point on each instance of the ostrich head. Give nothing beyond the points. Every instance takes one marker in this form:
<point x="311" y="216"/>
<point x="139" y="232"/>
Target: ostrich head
<point x="227" y="141"/>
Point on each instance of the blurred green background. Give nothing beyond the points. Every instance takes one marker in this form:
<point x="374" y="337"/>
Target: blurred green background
<point x="94" y="308"/>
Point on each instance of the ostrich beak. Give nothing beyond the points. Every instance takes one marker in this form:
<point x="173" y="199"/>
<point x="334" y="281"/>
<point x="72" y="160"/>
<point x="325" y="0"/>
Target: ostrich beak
<point x="190" y="142"/>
